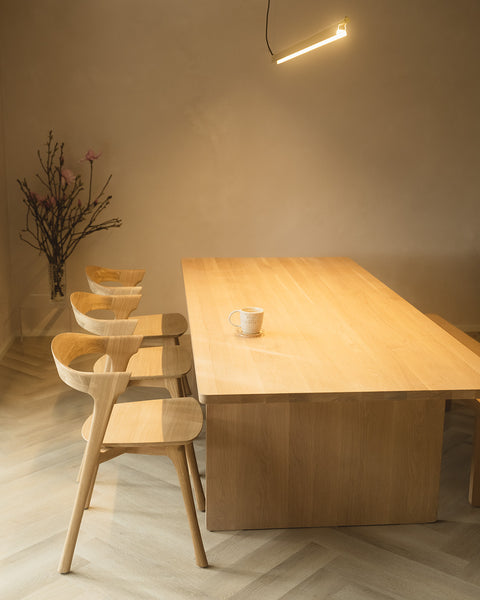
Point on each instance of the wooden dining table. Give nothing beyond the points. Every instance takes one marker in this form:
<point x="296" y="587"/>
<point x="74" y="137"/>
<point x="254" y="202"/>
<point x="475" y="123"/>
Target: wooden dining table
<point x="334" y="414"/>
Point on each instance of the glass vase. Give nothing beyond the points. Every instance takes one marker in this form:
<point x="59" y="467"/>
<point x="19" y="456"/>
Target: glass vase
<point x="58" y="285"/>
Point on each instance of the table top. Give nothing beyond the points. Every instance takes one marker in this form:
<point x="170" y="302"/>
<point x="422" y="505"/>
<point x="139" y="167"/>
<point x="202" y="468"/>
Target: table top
<point x="331" y="330"/>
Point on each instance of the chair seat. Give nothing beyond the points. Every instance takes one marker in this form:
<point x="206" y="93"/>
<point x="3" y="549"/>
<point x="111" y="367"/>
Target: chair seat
<point x="155" y="362"/>
<point x="151" y="422"/>
<point x="165" y="325"/>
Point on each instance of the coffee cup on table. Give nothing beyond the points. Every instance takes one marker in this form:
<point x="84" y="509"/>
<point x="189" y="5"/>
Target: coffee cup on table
<point x="251" y="319"/>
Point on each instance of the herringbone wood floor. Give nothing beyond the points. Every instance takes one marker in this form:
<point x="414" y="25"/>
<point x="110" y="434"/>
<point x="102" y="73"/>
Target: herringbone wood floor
<point x="134" y="541"/>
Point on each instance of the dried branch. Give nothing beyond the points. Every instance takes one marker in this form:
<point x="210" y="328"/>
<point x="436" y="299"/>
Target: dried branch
<point x="58" y="220"/>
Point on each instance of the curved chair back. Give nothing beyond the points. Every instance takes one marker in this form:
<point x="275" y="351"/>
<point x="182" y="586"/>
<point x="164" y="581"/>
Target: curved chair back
<point x="125" y="280"/>
<point x="121" y="306"/>
<point x="101" y="386"/>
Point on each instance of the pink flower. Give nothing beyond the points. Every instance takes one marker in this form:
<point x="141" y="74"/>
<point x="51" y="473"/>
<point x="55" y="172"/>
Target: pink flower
<point x="46" y="202"/>
<point x="91" y="155"/>
<point x="39" y="199"/>
<point x="68" y="177"/>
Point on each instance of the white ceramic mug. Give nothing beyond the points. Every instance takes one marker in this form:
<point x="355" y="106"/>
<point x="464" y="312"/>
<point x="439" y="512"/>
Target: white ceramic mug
<point x="251" y="318"/>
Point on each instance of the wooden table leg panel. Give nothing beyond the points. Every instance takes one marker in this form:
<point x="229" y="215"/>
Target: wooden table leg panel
<point x="474" y="491"/>
<point x="246" y="465"/>
<point x="307" y="464"/>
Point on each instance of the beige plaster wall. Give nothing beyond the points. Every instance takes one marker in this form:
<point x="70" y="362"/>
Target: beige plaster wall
<point x="367" y="148"/>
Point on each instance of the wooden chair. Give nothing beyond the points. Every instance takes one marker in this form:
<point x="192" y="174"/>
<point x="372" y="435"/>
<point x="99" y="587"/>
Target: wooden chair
<point x="165" y="427"/>
<point x="474" y="346"/>
<point x="170" y="364"/>
<point x="163" y="325"/>
<point x="125" y="281"/>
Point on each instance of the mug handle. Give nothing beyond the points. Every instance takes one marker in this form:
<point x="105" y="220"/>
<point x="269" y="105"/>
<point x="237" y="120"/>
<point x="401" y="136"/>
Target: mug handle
<point x="230" y="318"/>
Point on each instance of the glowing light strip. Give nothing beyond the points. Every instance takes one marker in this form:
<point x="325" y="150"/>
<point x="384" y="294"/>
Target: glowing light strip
<point x="317" y="41"/>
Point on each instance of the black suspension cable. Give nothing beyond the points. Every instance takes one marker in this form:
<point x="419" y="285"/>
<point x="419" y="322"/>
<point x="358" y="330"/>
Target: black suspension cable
<point x="266" y="27"/>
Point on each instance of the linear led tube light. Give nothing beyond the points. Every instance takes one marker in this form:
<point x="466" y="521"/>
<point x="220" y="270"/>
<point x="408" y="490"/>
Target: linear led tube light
<point x="322" y="38"/>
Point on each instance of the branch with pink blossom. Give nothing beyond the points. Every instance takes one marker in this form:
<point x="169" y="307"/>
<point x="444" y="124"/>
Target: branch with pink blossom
<point x="57" y="217"/>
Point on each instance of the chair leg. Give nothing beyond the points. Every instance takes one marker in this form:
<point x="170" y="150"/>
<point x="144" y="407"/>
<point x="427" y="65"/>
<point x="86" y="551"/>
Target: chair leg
<point x="92" y="485"/>
<point x="173" y="386"/>
<point x="105" y="454"/>
<point x="89" y="468"/>
<point x="79" y="474"/>
<point x="195" y="475"/>
<point x="474" y="491"/>
<point x="178" y="457"/>
<point x="185" y="386"/>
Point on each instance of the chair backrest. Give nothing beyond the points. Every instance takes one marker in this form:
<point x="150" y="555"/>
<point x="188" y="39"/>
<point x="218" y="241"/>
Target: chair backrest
<point x="103" y="387"/>
<point x="125" y="280"/>
<point x="121" y="306"/>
